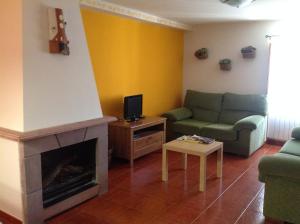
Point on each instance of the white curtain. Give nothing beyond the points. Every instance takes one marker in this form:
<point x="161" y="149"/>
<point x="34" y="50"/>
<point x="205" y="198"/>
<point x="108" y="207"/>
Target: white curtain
<point x="284" y="88"/>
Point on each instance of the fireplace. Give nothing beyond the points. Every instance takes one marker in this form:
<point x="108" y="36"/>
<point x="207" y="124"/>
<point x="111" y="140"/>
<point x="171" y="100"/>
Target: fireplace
<point x="67" y="171"/>
<point x="61" y="167"/>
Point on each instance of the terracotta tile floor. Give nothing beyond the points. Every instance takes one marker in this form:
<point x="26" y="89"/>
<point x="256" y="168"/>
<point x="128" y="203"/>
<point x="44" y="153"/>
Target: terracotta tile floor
<point x="138" y="196"/>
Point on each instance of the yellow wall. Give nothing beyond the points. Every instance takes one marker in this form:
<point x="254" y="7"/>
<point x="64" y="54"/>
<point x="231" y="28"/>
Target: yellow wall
<point x="131" y="57"/>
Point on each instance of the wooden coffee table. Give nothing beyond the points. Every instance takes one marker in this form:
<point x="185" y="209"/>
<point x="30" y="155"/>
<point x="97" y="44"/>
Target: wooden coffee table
<point x="197" y="149"/>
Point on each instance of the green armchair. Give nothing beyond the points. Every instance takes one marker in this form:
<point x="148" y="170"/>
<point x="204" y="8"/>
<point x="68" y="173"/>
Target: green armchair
<point x="281" y="175"/>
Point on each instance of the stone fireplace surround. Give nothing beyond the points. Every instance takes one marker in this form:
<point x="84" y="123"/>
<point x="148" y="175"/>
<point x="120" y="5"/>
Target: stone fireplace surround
<point x="32" y="144"/>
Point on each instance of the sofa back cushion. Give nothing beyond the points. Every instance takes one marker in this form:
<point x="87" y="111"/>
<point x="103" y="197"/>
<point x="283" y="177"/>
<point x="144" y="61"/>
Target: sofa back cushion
<point x="205" y="106"/>
<point x="236" y="107"/>
<point x="205" y="115"/>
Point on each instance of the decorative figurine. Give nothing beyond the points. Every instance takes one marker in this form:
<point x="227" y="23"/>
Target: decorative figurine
<point x="248" y="52"/>
<point x="202" y="53"/>
<point x="58" y="42"/>
<point x="225" y="64"/>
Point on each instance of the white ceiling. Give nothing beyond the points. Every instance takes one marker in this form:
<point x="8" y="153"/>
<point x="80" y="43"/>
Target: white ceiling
<point x="201" y="11"/>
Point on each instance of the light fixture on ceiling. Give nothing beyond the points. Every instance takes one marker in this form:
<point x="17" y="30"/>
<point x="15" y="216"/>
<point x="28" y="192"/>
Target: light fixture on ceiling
<point x="237" y="3"/>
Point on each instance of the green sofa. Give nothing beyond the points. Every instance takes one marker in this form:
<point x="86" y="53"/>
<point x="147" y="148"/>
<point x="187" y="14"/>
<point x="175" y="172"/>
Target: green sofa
<point x="281" y="174"/>
<point x="237" y="120"/>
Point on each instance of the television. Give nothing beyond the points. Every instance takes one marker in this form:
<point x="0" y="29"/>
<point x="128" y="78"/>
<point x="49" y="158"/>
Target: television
<point x="133" y="107"/>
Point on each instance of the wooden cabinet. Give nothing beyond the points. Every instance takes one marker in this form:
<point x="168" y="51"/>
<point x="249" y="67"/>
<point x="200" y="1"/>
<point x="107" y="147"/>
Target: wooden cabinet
<point x="131" y="140"/>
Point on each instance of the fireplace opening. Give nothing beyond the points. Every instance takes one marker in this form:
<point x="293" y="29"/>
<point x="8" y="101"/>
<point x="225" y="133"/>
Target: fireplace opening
<point x="68" y="171"/>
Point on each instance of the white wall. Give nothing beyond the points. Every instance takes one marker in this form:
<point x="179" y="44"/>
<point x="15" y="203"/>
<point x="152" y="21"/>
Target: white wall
<point x="39" y="89"/>
<point x="57" y="89"/>
<point x="11" y="104"/>
<point x="10" y="181"/>
<point x="225" y="40"/>
<point x="11" y="89"/>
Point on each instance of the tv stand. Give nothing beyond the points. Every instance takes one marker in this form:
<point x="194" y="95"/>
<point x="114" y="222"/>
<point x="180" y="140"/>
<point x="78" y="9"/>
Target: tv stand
<point x="133" y="119"/>
<point x="131" y="140"/>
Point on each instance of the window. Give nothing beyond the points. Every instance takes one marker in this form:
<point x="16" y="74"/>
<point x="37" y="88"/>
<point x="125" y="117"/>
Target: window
<point x="284" y="87"/>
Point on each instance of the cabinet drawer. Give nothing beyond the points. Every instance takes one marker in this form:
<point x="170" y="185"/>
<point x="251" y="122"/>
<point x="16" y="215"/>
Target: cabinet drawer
<point x="147" y="149"/>
<point x="142" y="142"/>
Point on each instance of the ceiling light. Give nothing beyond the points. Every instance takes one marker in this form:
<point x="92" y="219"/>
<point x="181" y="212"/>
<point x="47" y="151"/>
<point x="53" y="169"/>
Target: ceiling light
<point x="238" y="3"/>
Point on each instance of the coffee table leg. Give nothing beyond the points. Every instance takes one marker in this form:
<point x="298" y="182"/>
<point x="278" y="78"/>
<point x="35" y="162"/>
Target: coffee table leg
<point x="220" y="162"/>
<point x="184" y="161"/>
<point x="202" y="184"/>
<point x="165" y="164"/>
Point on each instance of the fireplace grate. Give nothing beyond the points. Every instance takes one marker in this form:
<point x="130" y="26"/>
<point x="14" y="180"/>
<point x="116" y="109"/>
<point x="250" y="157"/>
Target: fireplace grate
<point x="68" y="171"/>
<point x="49" y="201"/>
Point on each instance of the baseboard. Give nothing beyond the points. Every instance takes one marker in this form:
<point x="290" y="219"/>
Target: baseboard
<point x="8" y="219"/>
<point x="275" y="142"/>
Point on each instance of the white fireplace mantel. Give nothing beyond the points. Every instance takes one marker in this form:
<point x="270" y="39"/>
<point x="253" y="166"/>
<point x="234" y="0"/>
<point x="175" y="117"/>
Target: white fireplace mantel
<point x="29" y="135"/>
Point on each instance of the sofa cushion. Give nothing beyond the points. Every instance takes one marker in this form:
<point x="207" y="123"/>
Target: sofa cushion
<point x="189" y="126"/>
<point x="231" y="116"/>
<point x="222" y="132"/>
<point x="252" y="103"/>
<point x="291" y="147"/>
<point x="205" y="115"/>
<point x="236" y="107"/>
<point x="202" y="104"/>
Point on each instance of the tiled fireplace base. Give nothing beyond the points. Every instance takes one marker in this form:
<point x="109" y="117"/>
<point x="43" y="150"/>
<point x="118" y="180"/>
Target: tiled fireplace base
<point x="33" y="144"/>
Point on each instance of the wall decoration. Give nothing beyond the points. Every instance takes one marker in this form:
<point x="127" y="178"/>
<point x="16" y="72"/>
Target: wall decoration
<point x="58" y="41"/>
<point x="225" y="64"/>
<point x="202" y="53"/>
<point x="248" y="52"/>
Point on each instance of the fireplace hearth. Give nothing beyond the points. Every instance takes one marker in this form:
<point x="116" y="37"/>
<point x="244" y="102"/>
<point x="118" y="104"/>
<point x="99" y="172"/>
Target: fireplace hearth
<point x="67" y="171"/>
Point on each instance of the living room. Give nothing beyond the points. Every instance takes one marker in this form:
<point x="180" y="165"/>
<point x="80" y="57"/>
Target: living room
<point x="72" y="72"/>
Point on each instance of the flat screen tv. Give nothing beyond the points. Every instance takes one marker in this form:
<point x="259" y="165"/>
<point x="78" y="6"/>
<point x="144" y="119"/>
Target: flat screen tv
<point x="133" y="107"/>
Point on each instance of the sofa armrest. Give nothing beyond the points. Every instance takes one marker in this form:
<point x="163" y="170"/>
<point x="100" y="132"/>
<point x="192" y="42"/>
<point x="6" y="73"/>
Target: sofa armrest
<point x="280" y="165"/>
<point x="296" y="133"/>
<point x="178" y="114"/>
<point x="250" y="122"/>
